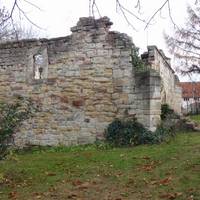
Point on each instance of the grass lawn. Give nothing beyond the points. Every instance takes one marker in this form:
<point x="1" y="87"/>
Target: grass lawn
<point x="195" y="118"/>
<point x="166" y="171"/>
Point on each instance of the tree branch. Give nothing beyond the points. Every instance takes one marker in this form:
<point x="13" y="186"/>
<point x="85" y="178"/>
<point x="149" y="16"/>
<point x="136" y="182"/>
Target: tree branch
<point x="170" y="15"/>
<point x="192" y="69"/>
<point x="124" y="11"/>
<point x="124" y="14"/>
<point x="11" y="13"/>
<point x="25" y="15"/>
<point x="155" y="13"/>
<point x="32" y="4"/>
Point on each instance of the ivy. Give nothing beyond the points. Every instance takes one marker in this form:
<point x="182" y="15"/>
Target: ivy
<point x="136" y="60"/>
<point x="11" y="116"/>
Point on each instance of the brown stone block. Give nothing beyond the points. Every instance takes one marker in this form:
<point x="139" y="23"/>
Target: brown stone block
<point x="105" y="119"/>
<point x="83" y="78"/>
<point x="45" y="119"/>
<point x="86" y="63"/>
<point x="16" y="88"/>
<point x="51" y="81"/>
<point x="2" y="88"/>
<point x="54" y="97"/>
<point x="3" y="82"/>
<point x="102" y="79"/>
<point x="90" y="108"/>
<point x="38" y="131"/>
<point x="101" y="90"/>
<point x="78" y="103"/>
<point x="64" y="99"/>
<point x="62" y="107"/>
<point x="124" y="98"/>
<point x="108" y="72"/>
<point x="89" y="72"/>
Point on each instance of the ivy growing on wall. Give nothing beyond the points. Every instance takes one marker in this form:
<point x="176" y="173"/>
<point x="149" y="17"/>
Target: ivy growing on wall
<point x="136" y="61"/>
<point x="11" y="116"/>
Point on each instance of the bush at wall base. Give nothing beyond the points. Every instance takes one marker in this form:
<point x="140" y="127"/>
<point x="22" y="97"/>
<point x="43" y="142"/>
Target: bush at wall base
<point x="129" y="132"/>
<point x="11" y="116"/>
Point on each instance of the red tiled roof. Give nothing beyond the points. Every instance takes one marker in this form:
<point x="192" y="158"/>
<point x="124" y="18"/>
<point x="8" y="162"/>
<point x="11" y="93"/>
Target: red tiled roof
<point x="190" y="89"/>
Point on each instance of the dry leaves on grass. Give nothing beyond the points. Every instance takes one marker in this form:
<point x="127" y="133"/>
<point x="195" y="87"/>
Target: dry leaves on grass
<point x="165" y="181"/>
<point x="50" y="174"/>
<point x="149" y="167"/>
<point x="81" y="185"/>
<point x="171" y="196"/>
<point x="12" y="195"/>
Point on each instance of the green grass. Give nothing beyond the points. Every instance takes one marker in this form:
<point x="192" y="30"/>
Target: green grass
<point x="166" y="171"/>
<point x="195" y="118"/>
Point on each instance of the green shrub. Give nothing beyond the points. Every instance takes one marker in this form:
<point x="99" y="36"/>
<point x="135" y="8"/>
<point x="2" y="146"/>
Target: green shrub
<point x="171" y="120"/>
<point x="165" y="111"/>
<point x="11" y="115"/>
<point x="163" y="133"/>
<point x="127" y="133"/>
<point x="131" y="133"/>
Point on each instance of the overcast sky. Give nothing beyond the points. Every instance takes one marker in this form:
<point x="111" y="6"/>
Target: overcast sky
<point x="57" y="16"/>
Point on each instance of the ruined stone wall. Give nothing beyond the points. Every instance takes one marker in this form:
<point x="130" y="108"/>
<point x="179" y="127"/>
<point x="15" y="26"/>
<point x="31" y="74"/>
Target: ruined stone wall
<point x="86" y="82"/>
<point x="170" y="91"/>
<point x="81" y="83"/>
<point x="148" y="98"/>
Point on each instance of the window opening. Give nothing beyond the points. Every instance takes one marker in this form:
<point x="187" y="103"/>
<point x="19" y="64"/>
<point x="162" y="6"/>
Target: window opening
<point x="186" y="99"/>
<point x="38" y="66"/>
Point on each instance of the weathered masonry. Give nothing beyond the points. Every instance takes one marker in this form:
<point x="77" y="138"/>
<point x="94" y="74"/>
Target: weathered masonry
<point x="80" y="83"/>
<point x="170" y="89"/>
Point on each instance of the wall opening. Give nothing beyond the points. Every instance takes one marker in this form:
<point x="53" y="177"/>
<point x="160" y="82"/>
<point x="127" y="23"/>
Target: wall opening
<point x="38" y="66"/>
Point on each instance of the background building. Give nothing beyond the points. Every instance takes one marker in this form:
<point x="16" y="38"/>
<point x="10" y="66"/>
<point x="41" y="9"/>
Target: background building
<point x="190" y="97"/>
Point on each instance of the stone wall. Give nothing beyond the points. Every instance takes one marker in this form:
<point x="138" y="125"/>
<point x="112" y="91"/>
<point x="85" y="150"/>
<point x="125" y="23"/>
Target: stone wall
<point x="80" y="84"/>
<point x="86" y="82"/>
<point x="170" y="90"/>
<point x="148" y="98"/>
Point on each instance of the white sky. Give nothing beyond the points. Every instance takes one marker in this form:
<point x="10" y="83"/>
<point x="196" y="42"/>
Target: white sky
<point x="57" y="17"/>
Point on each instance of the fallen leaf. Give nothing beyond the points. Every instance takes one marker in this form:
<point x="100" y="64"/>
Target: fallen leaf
<point x="191" y="197"/>
<point x="76" y="182"/>
<point x="84" y="186"/>
<point x="165" y="181"/>
<point x="178" y="194"/>
<point x="146" y="158"/>
<point x="70" y="196"/>
<point x="168" y="196"/>
<point x="13" y="195"/>
<point x="50" y="174"/>
<point x="171" y="196"/>
<point x="154" y="182"/>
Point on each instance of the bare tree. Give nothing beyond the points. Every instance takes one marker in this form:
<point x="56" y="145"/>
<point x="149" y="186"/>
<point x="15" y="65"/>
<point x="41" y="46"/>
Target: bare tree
<point x="127" y="12"/>
<point x="185" y="42"/>
<point x="10" y="30"/>
<point x="6" y="30"/>
<point x="136" y="10"/>
<point x="24" y="32"/>
<point x="16" y="6"/>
